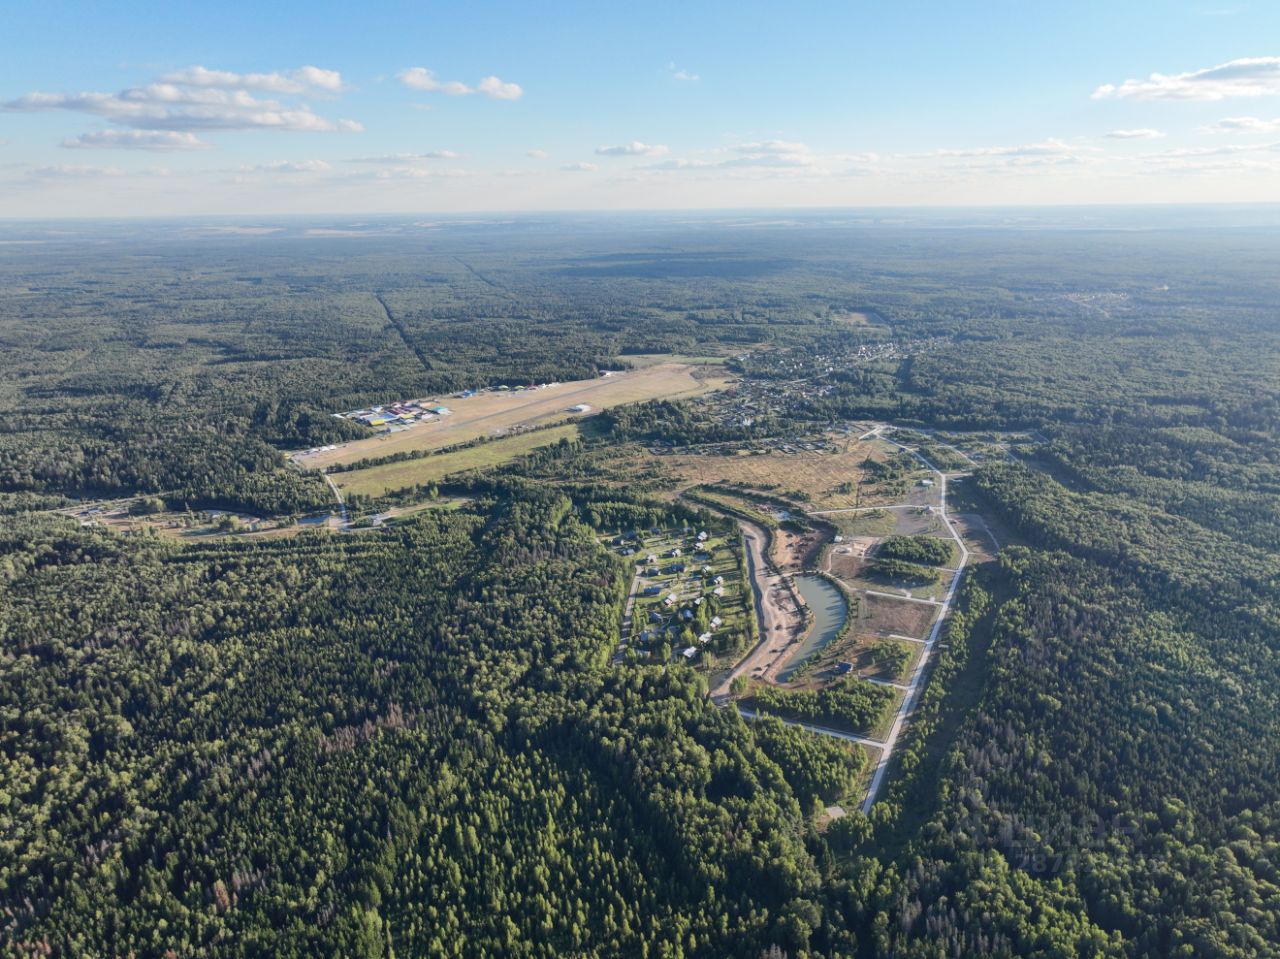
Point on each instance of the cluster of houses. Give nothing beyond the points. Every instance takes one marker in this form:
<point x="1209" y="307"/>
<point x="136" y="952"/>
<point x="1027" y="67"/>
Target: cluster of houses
<point x="796" y="379"/>
<point x="673" y="615"/>
<point x="516" y="389"/>
<point x="396" y="416"/>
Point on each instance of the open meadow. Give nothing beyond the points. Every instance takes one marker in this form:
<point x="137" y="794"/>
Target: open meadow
<point x="821" y="479"/>
<point x="386" y="477"/>
<point x="494" y="412"/>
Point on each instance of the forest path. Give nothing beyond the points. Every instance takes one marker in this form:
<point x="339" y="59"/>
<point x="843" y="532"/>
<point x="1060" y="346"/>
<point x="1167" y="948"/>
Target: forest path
<point x="399" y="328"/>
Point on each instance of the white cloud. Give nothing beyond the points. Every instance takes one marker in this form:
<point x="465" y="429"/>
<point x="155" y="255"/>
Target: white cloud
<point x="493" y="87"/>
<point x="293" y="166"/>
<point x="677" y="73"/>
<point x="183" y="108"/>
<point x="416" y="173"/>
<point x="159" y="141"/>
<point x="537" y="154"/>
<point x="773" y="158"/>
<point x="1050" y="147"/>
<point x="59" y="171"/>
<point x="1245" y="77"/>
<point x="777" y="154"/>
<point x="1229" y="149"/>
<point x="1244" y="125"/>
<point x="408" y="157"/>
<point x="1224" y="159"/>
<point x="579" y="167"/>
<point x="681" y="163"/>
<point x="781" y="147"/>
<point x="302" y="80"/>
<point x="420" y="78"/>
<point x="633" y="149"/>
<point x="1141" y="134"/>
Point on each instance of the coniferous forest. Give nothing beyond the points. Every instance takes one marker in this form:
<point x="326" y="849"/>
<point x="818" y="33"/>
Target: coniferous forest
<point x="413" y="736"/>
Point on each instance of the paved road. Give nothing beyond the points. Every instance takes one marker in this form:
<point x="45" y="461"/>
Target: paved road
<point x="337" y="494"/>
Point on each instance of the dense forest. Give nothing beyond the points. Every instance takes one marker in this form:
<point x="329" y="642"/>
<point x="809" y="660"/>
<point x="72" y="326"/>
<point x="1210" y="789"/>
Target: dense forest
<point x="412" y="740"/>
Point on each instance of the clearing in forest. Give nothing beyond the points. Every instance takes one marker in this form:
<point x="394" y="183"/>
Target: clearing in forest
<point x="833" y="477"/>
<point x="495" y="412"/>
<point x="377" y="480"/>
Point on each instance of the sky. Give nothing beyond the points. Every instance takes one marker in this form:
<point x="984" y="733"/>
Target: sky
<point x="182" y="109"/>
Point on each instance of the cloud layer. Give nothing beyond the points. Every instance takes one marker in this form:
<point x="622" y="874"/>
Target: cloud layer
<point x="1144" y="133"/>
<point x="633" y="149"/>
<point x="1245" y="77"/>
<point x="302" y="80"/>
<point x="1245" y="125"/>
<point x="196" y="100"/>
<point x="408" y="157"/>
<point x="160" y="141"/>
<point x="420" y="78"/>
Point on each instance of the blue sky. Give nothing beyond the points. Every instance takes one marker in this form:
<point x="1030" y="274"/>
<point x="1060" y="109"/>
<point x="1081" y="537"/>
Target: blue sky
<point x="173" y="108"/>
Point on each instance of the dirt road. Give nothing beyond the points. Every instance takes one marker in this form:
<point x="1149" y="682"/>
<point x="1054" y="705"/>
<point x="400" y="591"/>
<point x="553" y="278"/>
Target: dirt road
<point x="777" y="613"/>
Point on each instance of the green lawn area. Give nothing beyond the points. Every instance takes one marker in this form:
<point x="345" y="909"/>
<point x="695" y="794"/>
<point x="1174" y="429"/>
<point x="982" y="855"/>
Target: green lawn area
<point x="378" y="480"/>
<point x="641" y="360"/>
<point x="723" y="547"/>
<point x="872" y="523"/>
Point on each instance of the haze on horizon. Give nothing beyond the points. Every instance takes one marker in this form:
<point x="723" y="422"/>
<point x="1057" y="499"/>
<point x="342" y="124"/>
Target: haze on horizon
<point x="194" y="110"/>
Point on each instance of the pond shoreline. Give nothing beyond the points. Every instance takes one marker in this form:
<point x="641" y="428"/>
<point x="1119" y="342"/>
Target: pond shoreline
<point x="830" y="611"/>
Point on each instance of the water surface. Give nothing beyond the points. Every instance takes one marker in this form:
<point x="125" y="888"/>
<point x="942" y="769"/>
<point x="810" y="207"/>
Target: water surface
<point x="830" y="610"/>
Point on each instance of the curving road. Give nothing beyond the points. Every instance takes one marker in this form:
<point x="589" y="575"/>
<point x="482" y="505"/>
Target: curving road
<point x="913" y="687"/>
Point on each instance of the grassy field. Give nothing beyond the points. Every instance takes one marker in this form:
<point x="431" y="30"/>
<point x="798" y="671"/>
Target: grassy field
<point x="852" y="318"/>
<point x="882" y="616"/>
<point x="494" y="413"/>
<point x="876" y="523"/>
<point x="430" y="469"/>
<point x="644" y="360"/>
<point x="828" y="480"/>
<point x="860" y="574"/>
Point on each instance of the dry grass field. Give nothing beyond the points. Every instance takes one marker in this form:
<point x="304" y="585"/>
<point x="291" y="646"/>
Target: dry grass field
<point x="378" y="480"/>
<point x="493" y="413"/>
<point x="829" y="480"/>
<point x="856" y="573"/>
<point x="884" y="617"/>
<point x="645" y="360"/>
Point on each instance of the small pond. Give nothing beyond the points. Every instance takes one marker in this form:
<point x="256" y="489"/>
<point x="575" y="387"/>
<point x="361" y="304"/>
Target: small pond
<point x="830" y="610"/>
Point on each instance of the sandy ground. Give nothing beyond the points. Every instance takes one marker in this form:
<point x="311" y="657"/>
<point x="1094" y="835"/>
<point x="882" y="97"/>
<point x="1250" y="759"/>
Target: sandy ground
<point x="794" y="552"/>
<point x="778" y="612"/>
